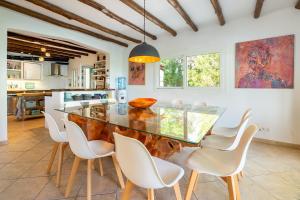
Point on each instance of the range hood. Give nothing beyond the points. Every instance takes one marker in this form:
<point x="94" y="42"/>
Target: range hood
<point x="55" y="69"/>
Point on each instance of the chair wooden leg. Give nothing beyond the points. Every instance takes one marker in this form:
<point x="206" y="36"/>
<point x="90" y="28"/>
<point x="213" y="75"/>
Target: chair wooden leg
<point x="118" y="170"/>
<point x="237" y="189"/>
<point x="60" y="163"/>
<point x="127" y="191"/>
<point x="191" y="185"/>
<point x="93" y="164"/>
<point x="150" y="194"/>
<point x="242" y="174"/>
<point x="177" y="191"/>
<point x="54" y="150"/>
<point x="100" y="167"/>
<point x="89" y="179"/>
<point x="72" y="176"/>
<point x="231" y="188"/>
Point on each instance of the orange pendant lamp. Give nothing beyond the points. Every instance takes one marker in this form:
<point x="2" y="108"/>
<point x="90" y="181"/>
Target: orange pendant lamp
<point x="144" y="53"/>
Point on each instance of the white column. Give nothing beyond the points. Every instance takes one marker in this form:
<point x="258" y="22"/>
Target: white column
<point x="3" y="85"/>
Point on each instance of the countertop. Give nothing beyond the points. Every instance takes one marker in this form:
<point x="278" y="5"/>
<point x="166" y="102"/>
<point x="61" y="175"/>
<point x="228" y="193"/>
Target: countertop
<point x="54" y="90"/>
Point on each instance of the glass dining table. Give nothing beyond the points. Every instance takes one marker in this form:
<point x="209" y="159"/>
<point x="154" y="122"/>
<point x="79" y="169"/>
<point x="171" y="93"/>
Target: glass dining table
<point x="163" y="129"/>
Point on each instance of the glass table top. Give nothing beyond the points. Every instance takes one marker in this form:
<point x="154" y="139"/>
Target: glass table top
<point x="185" y="124"/>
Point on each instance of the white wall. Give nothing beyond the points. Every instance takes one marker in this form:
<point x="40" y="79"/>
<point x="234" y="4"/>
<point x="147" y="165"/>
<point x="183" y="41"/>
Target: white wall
<point x="275" y="109"/>
<point x="13" y="20"/>
<point x="3" y="75"/>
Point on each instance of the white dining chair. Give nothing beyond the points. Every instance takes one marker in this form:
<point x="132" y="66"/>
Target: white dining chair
<point x="144" y="170"/>
<point x="225" y="143"/>
<point x="88" y="150"/>
<point x="198" y="104"/>
<point x="61" y="141"/>
<point x="177" y="103"/>
<point x="231" y="131"/>
<point x="224" y="164"/>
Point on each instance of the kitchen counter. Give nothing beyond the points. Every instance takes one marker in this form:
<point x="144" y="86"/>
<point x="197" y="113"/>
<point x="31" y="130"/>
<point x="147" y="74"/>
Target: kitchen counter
<point x="55" y="90"/>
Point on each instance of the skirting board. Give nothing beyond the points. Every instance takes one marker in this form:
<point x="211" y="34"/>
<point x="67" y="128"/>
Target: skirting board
<point x="3" y="142"/>
<point x="283" y="144"/>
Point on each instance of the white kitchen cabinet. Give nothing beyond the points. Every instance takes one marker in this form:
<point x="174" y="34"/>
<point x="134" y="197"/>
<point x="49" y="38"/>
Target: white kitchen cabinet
<point x="32" y="71"/>
<point x="64" y="70"/>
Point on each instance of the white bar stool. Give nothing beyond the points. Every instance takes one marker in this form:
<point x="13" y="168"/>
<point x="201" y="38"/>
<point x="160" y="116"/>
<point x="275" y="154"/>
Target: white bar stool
<point x="61" y="142"/>
<point x="144" y="170"/>
<point x="88" y="150"/>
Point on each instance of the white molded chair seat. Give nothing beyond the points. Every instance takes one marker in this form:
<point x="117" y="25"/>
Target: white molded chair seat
<point x="225" y="143"/>
<point x="63" y="137"/>
<point x="61" y="141"/>
<point x="144" y="170"/>
<point x="88" y="150"/>
<point x="224" y="164"/>
<point x="101" y="148"/>
<point x="231" y="131"/>
<point x="213" y="162"/>
<point x="218" y="142"/>
<point x="169" y="172"/>
<point x="225" y="131"/>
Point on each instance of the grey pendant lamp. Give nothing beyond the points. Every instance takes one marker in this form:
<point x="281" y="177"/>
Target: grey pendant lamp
<point x="144" y="53"/>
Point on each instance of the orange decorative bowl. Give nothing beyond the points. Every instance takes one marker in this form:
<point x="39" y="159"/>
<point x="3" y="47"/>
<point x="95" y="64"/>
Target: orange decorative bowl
<point x="142" y="102"/>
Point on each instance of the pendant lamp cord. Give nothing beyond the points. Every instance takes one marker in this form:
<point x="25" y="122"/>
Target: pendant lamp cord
<point x="144" y="20"/>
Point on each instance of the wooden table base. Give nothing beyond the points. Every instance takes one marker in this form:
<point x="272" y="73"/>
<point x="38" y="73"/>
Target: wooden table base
<point x="159" y="146"/>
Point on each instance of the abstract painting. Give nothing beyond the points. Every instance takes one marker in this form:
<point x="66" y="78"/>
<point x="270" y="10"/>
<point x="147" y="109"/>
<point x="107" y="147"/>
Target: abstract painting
<point x="266" y="63"/>
<point x="136" y="74"/>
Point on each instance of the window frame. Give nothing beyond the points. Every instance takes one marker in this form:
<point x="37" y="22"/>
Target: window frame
<point x="183" y="73"/>
<point x="185" y="85"/>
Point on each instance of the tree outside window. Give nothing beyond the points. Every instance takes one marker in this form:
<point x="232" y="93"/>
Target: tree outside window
<point x="171" y="72"/>
<point x="203" y="70"/>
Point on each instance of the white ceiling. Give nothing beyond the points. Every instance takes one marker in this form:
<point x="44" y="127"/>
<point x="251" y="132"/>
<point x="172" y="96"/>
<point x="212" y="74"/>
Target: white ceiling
<point x="200" y="11"/>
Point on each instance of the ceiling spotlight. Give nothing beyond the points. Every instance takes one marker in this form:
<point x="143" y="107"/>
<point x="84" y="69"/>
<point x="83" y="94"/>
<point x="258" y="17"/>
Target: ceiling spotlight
<point x="41" y="59"/>
<point x="47" y="54"/>
<point x="43" y="49"/>
<point x="21" y="52"/>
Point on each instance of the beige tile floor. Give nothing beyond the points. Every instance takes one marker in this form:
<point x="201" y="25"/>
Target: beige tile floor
<point x="272" y="172"/>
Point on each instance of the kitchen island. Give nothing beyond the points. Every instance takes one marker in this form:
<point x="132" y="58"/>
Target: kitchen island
<point x="65" y="98"/>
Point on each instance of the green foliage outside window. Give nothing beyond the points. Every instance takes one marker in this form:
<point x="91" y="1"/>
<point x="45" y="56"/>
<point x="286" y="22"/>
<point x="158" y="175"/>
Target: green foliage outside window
<point x="203" y="70"/>
<point x="171" y="72"/>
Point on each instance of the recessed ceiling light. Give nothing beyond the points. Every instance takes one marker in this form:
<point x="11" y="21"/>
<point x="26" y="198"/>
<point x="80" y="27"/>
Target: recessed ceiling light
<point x="43" y="49"/>
<point x="47" y="54"/>
<point x="41" y="58"/>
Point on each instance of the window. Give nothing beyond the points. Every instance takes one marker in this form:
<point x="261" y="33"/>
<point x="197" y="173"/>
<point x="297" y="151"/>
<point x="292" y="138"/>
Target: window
<point x="171" y="72"/>
<point x="203" y="70"/>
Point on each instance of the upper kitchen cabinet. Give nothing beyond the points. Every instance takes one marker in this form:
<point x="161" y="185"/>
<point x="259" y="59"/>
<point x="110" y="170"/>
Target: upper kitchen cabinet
<point x="14" y="69"/>
<point x="32" y="71"/>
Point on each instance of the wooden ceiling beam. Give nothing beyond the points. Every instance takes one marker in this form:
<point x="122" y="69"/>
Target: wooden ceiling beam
<point x="36" y="53"/>
<point x="258" y="8"/>
<point x="183" y="14"/>
<point x="51" y="51"/>
<point x="72" y="16"/>
<point x="37" y="46"/>
<point x="149" y="16"/>
<point x="50" y="20"/>
<point x="31" y="58"/>
<point x="116" y="17"/>
<point x="218" y="11"/>
<point x="48" y="43"/>
<point x="298" y="5"/>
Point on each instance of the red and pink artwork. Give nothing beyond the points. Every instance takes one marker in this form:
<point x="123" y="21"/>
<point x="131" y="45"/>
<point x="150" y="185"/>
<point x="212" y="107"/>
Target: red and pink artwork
<point x="136" y="74"/>
<point x="266" y="63"/>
